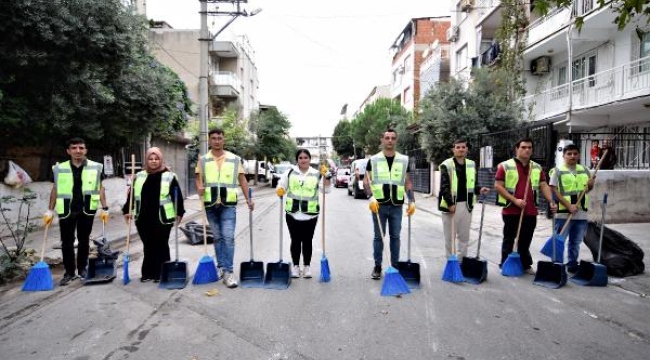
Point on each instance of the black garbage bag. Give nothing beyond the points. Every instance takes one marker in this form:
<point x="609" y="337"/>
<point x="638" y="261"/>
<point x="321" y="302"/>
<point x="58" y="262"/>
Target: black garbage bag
<point x="194" y="233"/>
<point x="622" y="256"/>
<point x="104" y="250"/>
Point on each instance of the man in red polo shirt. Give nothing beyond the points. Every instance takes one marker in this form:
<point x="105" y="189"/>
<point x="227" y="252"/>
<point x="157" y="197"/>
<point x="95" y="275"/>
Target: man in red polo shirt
<point x="510" y="184"/>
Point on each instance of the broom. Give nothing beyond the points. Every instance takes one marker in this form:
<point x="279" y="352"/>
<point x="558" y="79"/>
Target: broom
<point x="324" y="264"/>
<point x="559" y="238"/>
<point x="453" y="272"/>
<point x="206" y="271"/>
<point x="39" y="277"/>
<point x="394" y="284"/>
<point x="127" y="256"/>
<point x="512" y="266"/>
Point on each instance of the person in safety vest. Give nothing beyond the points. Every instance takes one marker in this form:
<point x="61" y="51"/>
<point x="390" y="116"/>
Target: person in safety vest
<point x="219" y="174"/>
<point x="76" y="196"/>
<point x="510" y="184"/>
<point x="457" y="197"/>
<point x="388" y="184"/>
<point x="301" y="185"/>
<point x="568" y="181"/>
<point x="157" y="205"/>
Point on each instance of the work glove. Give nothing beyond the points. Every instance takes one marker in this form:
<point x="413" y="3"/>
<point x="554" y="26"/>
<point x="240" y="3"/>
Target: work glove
<point x="103" y="214"/>
<point x="410" y="210"/>
<point x="47" y="217"/>
<point x="324" y="170"/>
<point x="280" y="192"/>
<point x="374" y="205"/>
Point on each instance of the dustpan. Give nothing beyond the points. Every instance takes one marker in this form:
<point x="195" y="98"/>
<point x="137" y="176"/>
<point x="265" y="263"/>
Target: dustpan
<point x="410" y="271"/>
<point x="278" y="274"/>
<point x="251" y="273"/>
<point x="593" y="274"/>
<point x="551" y="274"/>
<point x="103" y="268"/>
<point x="475" y="270"/>
<point x="174" y="273"/>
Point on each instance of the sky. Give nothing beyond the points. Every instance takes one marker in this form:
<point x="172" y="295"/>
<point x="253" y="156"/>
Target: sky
<point x="313" y="57"/>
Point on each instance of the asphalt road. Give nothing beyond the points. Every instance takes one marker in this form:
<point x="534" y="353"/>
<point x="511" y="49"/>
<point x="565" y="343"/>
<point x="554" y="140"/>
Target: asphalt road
<point x="503" y="318"/>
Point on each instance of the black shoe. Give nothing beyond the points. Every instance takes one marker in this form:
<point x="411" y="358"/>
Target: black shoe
<point x="145" y="279"/>
<point x="66" y="279"/>
<point x="573" y="269"/>
<point x="82" y="274"/>
<point x="376" y="272"/>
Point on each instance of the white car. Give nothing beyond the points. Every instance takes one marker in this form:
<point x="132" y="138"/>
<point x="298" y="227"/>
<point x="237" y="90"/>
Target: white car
<point x="355" y="184"/>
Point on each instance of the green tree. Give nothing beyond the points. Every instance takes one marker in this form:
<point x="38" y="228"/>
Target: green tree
<point x="82" y="67"/>
<point x="637" y="11"/>
<point x="512" y="41"/>
<point x="452" y="110"/>
<point x="238" y="139"/>
<point x="342" y="139"/>
<point x="273" y="140"/>
<point x="369" y="125"/>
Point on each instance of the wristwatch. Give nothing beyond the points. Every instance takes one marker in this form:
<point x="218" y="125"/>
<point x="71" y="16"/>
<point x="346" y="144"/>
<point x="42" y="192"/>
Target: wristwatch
<point x="105" y="208"/>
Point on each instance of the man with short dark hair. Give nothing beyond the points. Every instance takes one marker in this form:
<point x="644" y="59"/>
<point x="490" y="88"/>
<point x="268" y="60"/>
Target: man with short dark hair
<point x="75" y="196"/>
<point x="568" y="180"/>
<point x="510" y="183"/>
<point x="388" y="184"/>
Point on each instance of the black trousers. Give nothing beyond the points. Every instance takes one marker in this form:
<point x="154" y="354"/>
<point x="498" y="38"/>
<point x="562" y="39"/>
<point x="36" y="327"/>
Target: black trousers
<point x="83" y="225"/>
<point x="302" y="234"/>
<point x="155" y="242"/>
<point x="510" y="224"/>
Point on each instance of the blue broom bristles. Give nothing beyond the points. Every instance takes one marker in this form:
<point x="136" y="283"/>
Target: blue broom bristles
<point x="547" y="249"/>
<point x="394" y="284"/>
<point x="39" y="278"/>
<point x="206" y="271"/>
<point x="452" y="272"/>
<point x="324" y="269"/>
<point x="125" y="272"/>
<point x="512" y="266"/>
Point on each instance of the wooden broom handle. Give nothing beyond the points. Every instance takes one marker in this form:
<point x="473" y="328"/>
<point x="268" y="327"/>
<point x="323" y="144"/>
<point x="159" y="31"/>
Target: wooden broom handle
<point x="47" y="227"/>
<point x="128" y="233"/>
<point x="521" y="216"/>
<point x="323" y="218"/>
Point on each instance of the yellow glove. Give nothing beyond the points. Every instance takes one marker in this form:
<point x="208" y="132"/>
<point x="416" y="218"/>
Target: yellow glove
<point x="103" y="214"/>
<point x="323" y="170"/>
<point x="410" y="210"/>
<point x="47" y="217"/>
<point x="280" y="192"/>
<point x="373" y="206"/>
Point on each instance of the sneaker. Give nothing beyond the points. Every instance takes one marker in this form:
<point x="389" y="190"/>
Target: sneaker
<point x="306" y="272"/>
<point x="295" y="271"/>
<point x="66" y="279"/>
<point x="220" y="273"/>
<point x="229" y="280"/>
<point x="529" y="271"/>
<point x="145" y="279"/>
<point x="376" y="272"/>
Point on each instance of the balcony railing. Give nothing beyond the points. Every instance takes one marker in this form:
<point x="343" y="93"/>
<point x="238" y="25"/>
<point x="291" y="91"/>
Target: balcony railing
<point x="549" y="24"/>
<point x="486" y="7"/>
<point x="616" y="84"/>
<point x="488" y="57"/>
<point x="225" y="83"/>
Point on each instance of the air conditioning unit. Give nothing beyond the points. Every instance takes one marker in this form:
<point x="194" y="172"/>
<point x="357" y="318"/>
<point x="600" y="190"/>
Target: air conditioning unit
<point x="541" y="65"/>
<point x="452" y="33"/>
<point x="466" y="5"/>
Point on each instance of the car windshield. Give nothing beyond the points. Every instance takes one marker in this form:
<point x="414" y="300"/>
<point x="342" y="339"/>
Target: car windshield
<point x="282" y="168"/>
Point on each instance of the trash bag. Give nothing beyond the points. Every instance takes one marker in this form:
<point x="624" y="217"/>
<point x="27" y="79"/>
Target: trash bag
<point x="194" y="233"/>
<point x="622" y="256"/>
<point x="104" y="250"/>
<point x="16" y="176"/>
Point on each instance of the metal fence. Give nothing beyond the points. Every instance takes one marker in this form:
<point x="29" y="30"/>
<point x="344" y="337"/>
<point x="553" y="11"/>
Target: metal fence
<point x="420" y="170"/>
<point x="632" y="149"/>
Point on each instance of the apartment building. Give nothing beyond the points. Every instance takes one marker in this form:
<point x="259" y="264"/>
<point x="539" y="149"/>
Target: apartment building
<point x="320" y="147"/>
<point x="434" y="67"/>
<point x="407" y="51"/>
<point x="377" y="92"/>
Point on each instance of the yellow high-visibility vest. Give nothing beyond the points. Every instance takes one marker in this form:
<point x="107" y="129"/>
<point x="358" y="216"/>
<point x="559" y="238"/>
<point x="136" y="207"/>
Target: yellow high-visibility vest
<point x="388" y="185"/>
<point x="302" y="195"/>
<point x="470" y="173"/>
<point x="220" y="184"/>
<point x="167" y="212"/>
<point x="90" y="186"/>
<point x="512" y="178"/>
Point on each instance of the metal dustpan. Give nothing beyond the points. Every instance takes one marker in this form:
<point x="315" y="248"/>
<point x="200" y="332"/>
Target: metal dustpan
<point x="475" y="270"/>
<point x="251" y="273"/>
<point x="103" y="268"/>
<point x="410" y="271"/>
<point x="278" y="275"/>
<point x="174" y="273"/>
<point x="593" y="274"/>
<point x="551" y="274"/>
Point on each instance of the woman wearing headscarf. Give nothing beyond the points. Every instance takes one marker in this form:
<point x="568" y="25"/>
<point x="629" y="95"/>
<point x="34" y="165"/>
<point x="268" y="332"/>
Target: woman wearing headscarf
<point x="157" y="204"/>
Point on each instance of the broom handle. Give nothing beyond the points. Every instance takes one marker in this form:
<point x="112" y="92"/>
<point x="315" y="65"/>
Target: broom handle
<point x="205" y="216"/>
<point x="602" y="228"/>
<point x="281" y="211"/>
<point x="250" y="223"/>
<point x="176" y="221"/>
<point x="323" y="219"/>
<point x="521" y="216"/>
<point x="409" y="242"/>
<point x="453" y="196"/>
<point x="128" y="233"/>
<point x="47" y="227"/>
<point x="583" y="192"/>
<point x="480" y="229"/>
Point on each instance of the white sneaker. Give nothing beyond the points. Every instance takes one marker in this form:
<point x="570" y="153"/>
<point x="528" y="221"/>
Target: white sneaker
<point x="220" y="273"/>
<point x="306" y="272"/>
<point x="229" y="280"/>
<point x="295" y="271"/>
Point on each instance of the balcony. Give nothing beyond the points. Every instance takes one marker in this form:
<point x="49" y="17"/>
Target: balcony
<point x="489" y="14"/>
<point x="624" y="82"/>
<point x="548" y="25"/>
<point x="224" y="84"/>
<point x="488" y="57"/>
<point x="224" y="49"/>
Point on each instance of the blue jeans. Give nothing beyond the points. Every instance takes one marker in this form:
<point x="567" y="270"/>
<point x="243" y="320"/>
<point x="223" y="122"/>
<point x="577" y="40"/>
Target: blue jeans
<point x="575" y="234"/>
<point x="222" y="222"/>
<point x="392" y="214"/>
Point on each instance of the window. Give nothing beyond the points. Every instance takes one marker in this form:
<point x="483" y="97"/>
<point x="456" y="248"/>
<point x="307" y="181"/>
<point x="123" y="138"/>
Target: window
<point x="582" y="67"/>
<point x="461" y="58"/>
<point x="644" y="52"/>
<point x="408" y="64"/>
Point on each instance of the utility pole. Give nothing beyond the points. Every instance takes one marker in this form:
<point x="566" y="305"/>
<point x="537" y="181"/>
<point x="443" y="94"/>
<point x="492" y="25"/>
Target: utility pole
<point x="205" y="39"/>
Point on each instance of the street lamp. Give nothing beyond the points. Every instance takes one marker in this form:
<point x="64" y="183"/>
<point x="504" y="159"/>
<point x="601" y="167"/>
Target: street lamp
<point x="205" y="39"/>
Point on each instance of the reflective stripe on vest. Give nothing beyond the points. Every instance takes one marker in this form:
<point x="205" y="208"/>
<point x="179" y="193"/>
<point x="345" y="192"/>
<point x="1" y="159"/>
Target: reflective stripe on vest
<point x="512" y="178"/>
<point x="470" y="174"/>
<point x="166" y="213"/>
<point x="570" y="186"/>
<point x="302" y="195"/>
<point x="388" y="185"/>
<point x="90" y="185"/>
<point x="220" y="184"/>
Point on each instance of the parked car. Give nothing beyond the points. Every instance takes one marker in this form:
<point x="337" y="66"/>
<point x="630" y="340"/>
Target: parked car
<point x="263" y="170"/>
<point x="277" y="171"/>
<point x="355" y="184"/>
<point x="342" y="178"/>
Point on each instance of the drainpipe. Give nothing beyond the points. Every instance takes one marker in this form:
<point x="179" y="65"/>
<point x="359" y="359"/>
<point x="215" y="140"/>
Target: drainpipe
<point x="569" y="73"/>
